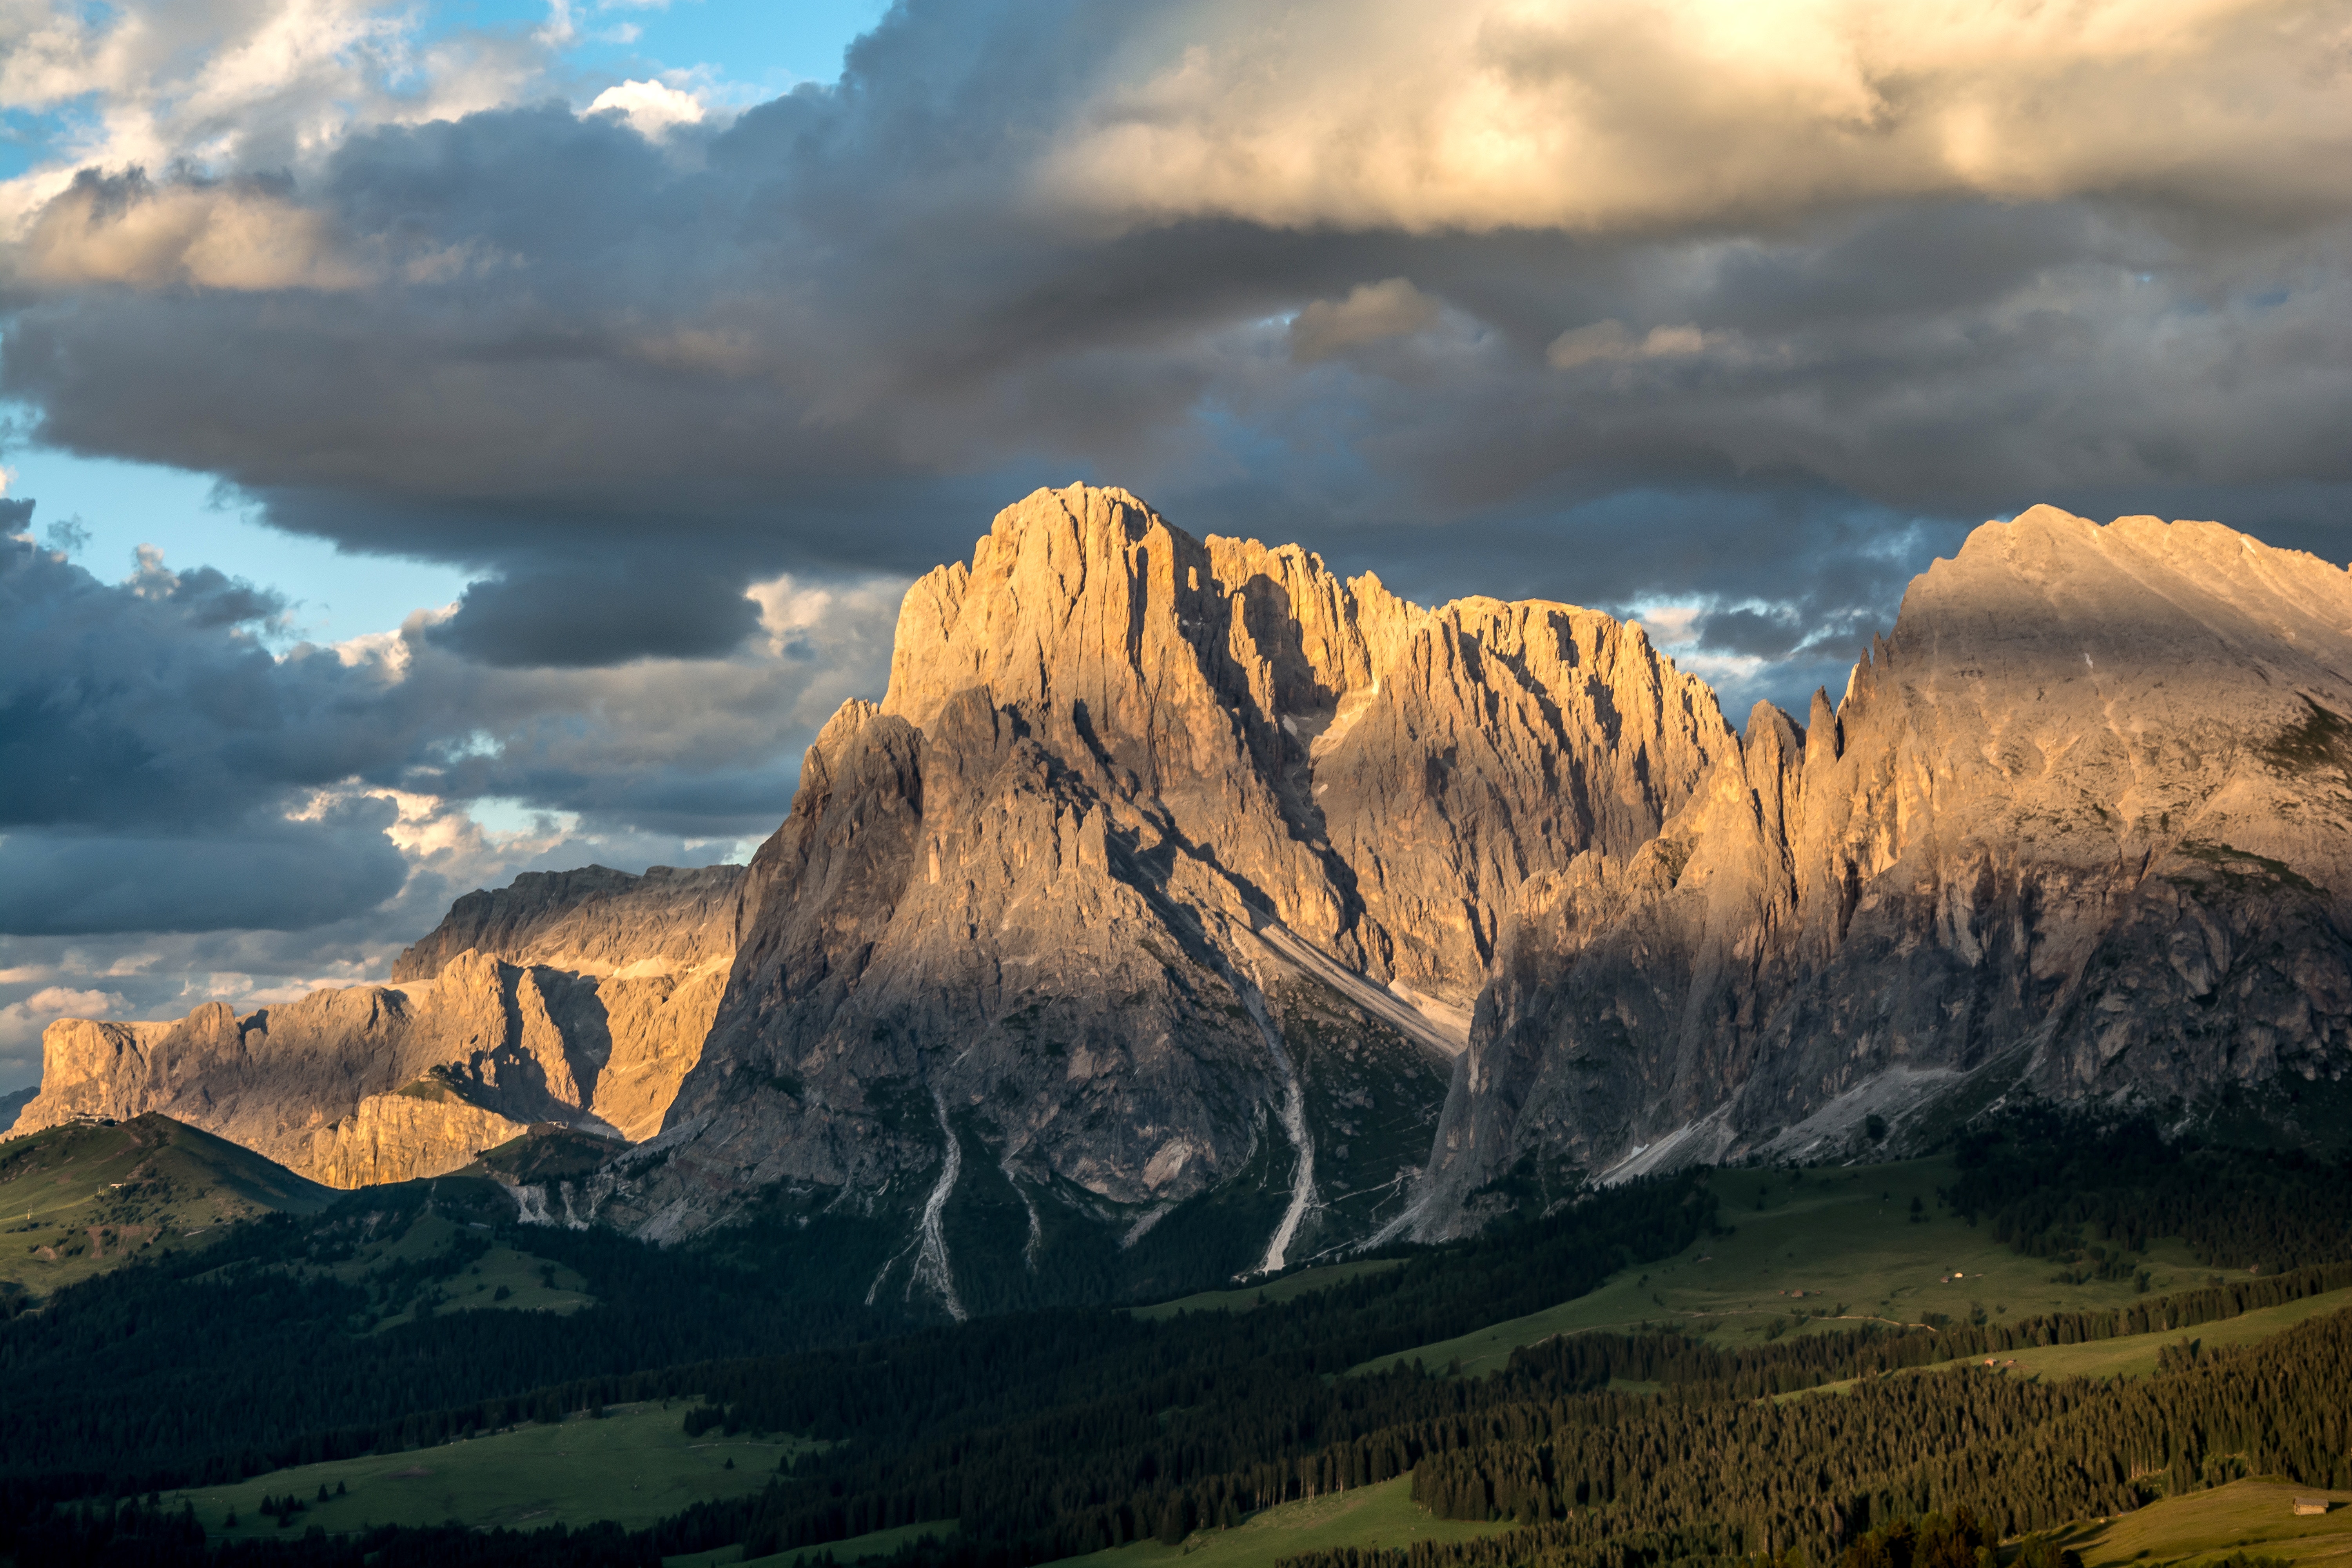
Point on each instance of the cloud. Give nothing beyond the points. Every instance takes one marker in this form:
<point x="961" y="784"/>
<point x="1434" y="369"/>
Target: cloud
<point x="1608" y="341"/>
<point x="125" y="229"/>
<point x="1631" y="116"/>
<point x="606" y="616"/>
<point x="161" y="768"/>
<point x="260" y="874"/>
<point x="1370" y="313"/>
<point x="652" y="107"/>
<point x="833" y="330"/>
<point x="251" y="86"/>
<point x="21" y="1024"/>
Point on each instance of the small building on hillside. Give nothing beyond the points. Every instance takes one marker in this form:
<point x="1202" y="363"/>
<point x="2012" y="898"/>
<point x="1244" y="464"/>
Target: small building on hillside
<point x="2311" y="1505"/>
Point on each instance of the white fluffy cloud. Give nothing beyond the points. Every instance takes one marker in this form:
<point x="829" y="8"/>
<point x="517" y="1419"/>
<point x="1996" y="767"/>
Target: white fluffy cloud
<point x="652" y="107"/>
<point x="235" y="85"/>
<point x="1612" y="115"/>
<point x="21" y="1024"/>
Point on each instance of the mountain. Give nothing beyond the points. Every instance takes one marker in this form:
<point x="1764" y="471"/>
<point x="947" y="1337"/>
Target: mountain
<point x="577" y="997"/>
<point x="1164" y="875"/>
<point x="95" y="1195"/>
<point x="2081" y="828"/>
<point x="1186" y="911"/>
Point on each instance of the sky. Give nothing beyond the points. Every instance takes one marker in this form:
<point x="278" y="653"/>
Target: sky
<point x="446" y="439"/>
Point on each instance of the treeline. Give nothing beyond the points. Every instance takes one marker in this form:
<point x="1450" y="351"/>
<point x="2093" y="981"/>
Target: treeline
<point x="1058" y="1432"/>
<point x="1197" y="1446"/>
<point x="1050" y="1438"/>
<point x="1695" y="1369"/>
<point x="2043" y="1178"/>
<point x="141" y="1534"/>
<point x="195" y="1367"/>
<point x="1604" y="1478"/>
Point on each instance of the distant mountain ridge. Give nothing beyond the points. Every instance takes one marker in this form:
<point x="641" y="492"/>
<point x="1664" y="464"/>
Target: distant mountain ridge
<point x="1182" y="902"/>
<point x="580" y="997"/>
<point x="2081" y="827"/>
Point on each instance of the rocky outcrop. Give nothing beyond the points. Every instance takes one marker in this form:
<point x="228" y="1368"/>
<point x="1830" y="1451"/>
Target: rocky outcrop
<point x="594" y="920"/>
<point x="412" y="1132"/>
<point x="581" y="998"/>
<point x="1185" y="908"/>
<point x="644" y="961"/>
<point x="2081" y="827"/>
<point x="1161" y="878"/>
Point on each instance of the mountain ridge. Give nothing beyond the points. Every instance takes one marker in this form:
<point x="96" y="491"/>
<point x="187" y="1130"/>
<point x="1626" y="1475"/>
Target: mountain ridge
<point x="577" y="997"/>
<point x="1183" y="877"/>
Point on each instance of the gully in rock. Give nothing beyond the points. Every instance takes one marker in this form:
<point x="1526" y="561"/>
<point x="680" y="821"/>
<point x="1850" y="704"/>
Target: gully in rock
<point x="1293" y="1122"/>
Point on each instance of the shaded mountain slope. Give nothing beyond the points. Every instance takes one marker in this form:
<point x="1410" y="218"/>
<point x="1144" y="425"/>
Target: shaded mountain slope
<point x="1163" y="873"/>
<point x="2082" y="823"/>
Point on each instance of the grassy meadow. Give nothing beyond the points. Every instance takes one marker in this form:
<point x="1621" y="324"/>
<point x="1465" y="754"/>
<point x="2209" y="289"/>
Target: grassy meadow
<point x="1383" y="1516"/>
<point x="880" y="1544"/>
<point x="529" y="1284"/>
<point x="1817" y="1250"/>
<point x="633" y="1466"/>
<point x="76" y="1201"/>
<point x="2254" y="1515"/>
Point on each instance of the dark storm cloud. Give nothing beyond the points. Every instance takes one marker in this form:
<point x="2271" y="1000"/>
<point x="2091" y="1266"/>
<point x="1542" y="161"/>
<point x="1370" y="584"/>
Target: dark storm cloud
<point x="843" y="328"/>
<point x="625" y="610"/>
<point x="139" y="704"/>
<point x="156" y="756"/>
<point x="1716" y="351"/>
<point x="263" y="874"/>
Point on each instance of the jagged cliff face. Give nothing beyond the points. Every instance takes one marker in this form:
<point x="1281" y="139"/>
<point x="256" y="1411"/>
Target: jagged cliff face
<point x="1142" y="923"/>
<point x="1165" y="869"/>
<point x="2081" y="827"/>
<point x="637" y="963"/>
<point x="580" y="997"/>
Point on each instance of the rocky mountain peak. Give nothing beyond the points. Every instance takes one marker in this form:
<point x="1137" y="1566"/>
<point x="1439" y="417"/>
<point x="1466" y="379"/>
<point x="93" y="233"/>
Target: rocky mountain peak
<point x="2081" y="825"/>
<point x="1182" y="905"/>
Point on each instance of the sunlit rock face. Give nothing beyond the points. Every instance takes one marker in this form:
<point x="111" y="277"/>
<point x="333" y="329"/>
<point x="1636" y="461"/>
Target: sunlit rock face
<point x="2078" y="827"/>
<point x="1165" y="865"/>
<point x="579" y="997"/>
<point x="1181" y="897"/>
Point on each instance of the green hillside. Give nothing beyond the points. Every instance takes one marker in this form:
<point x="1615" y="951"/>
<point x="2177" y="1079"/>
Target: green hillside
<point x="80" y="1199"/>
<point x="879" y="1544"/>
<point x="1818" y="1249"/>
<point x="2257" y="1517"/>
<point x="632" y="1466"/>
<point x="1364" y="1518"/>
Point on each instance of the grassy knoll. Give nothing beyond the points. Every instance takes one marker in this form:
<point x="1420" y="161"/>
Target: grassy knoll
<point x="2256" y="1515"/>
<point x="1847" y="1238"/>
<point x="1250" y="1297"/>
<point x="880" y="1544"/>
<point x="1384" y="1516"/>
<point x="528" y="1283"/>
<point x="78" y="1200"/>
<point x="634" y="1466"/>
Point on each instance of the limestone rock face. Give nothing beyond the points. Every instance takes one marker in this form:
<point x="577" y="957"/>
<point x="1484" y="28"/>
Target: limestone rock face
<point x="420" y="1130"/>
<point x="594" y="920"/>
<point x="2081" y="826"/>
<point x="582" y="997"/>
<point x="1166" y="869"/>
<point x="1182" y="906"/>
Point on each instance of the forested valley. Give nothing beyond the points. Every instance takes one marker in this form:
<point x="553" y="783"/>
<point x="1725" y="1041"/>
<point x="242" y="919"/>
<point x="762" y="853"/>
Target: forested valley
<point x="1050" y="1435"/>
